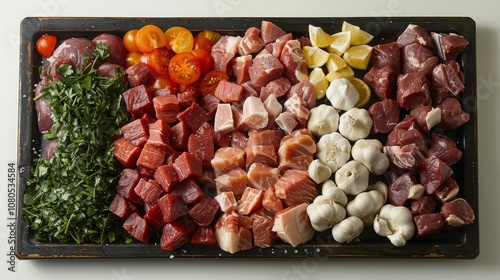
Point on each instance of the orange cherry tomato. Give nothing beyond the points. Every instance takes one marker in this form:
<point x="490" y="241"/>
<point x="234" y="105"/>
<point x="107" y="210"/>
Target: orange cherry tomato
<point x="150" y="37"/>
<point x="129" y="40"/>
<point x="202" y="43"/>
<point x="213" y="36"/>
<point x="206" y="60"/>
<point x="184" y="68"/>
<point x="158" y="60"/>
<point x="133" y="58"/>
<point x="46" y="44"/>
<point x="163" y="82"/>
<point x="210" y="81"/>
<point x="179" y="39"/>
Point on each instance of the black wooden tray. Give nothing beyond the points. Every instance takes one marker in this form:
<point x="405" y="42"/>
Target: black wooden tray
<point x="459" y="244"/>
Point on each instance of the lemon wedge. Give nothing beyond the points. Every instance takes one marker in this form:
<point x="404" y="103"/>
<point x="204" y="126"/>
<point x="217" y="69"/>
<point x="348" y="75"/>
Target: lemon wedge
<point x="318" y="37"/>
<point x="318" y="79"/>
<point x="345" y="72"/>
<point x="341" y="41"/>
<point x="363" y="90"/>
<point x="358" y="36"/>
<point x="358" y="57"/>
<point x="315" y="56"/>
<point x="335" y="63"/>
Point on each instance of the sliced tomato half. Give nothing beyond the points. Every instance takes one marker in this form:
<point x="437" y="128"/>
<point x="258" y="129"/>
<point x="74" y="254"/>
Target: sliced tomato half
<point x="184" y="68"/>
<point x="210" y="81"/>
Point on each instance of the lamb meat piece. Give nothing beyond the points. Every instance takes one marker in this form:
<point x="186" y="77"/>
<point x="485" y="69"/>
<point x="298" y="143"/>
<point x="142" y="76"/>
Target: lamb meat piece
<point x="177" y="234"/>
<point x="445" y="149"/>
<point x="426" y="117"/>
<point x="251" y="42"/>
<point x="404" y="189"/>
<point x="240" y="67"/>
<point x="193" y="117"/>
<point x="262" y="176"/>
<point x="418" y="59"/>
<point x="180" y="136"/>
<point x="250" y="200"/>
<point x="433" y="173"/>
<point x="429" y="224"/>
<point x="293" y="59"/>
<point x="298" y="107"/>
<point x="110" y="70"/>
<point x="160" y="134"/>
<point x="238" y="139"/>
<point x="293" y="226"/>
<point x="386" y="55"/>
<point x="188" y="165"/>
<point x="234" y="181"/>
<point x="165" y="175"/>
<point x="203" y="236"/>
<point x="137" y="74"/>
<point x="116" y="49"/>
<point x="415" y="34"/>
<point x="407" y="132"/>
<point x="270" y="31"/>
<point x="295" y="187"/>
<point x="73" y="51"/>
<point x="452" y="115"/>
<point x="262" y="225"/>
<point x="264" y="154"/>
<point x="126" y="183"/>
<point x="136" y="132"/>
<point x="457" y="213"/>
<point x="305" y="90"/>
<point x="448" y="77"/>
<point x="230" y="236"/>
<point x="139" y="101"/>
<point x="447" y="191"/>
<point x="413" y="91"/>
<point x="449" y="46"/>
<point x="277" y="46"/>
<point x="382" y="81"/>
<point x="424" y="205"/>
<point x="265" y="68"/>
<point x="404" y="158"/>
<point x="385" y="115"/>
<point x="138" y="227"/>
<point x="224" y="51"/>
<point x="203" y="212"/>
<point x="189" y="190"/>
<point x="166" y="108"/>
<point x="277" y="87"/>
<point x="126" y="153"/>
<point x="121" y="207"/>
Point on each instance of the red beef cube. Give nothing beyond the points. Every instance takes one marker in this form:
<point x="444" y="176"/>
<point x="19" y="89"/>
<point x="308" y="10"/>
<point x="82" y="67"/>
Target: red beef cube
<point x="177" y="234"/>
<point x="149" y="190"/>
<point x="209" y="103"/>
<point x="447" y="191"/>
<point x="187" y="97"/>
<point x="404" y="189"/>
<point x="204" y="236"/>
<point x="202" y="146"/>
<point x="424" y="205"/>
<point x="386" y="55"/>
<point x="148" y="118"/>
<point x="180" y="136"/>
<point x="126" y="184"/>
<point x="189" y="190"/>
<point x="412" y="91"/>
<point x="194" y="116"/>
<point x="152" y="156"/>
<point x="136" y="132"/>
<point x="160" y="134"/>
<point x="457" y="213"/>
<point x="429" y="224"/>
<point x="228" y="91"/>
<point x="434" y="172"/>
<point x="382" y="81"/>
<point x="166" y="176"/>
<point x="188" y="165"/>
<point x="139" y="101"/>
<point x="204" y="211"/>
<point x="146" y="173"/>
<point x="137" y="74"/>
<point x="121" y="207"/>
<point x="126" y="153"/>
<point x="172" y="207"/>
<point x="154" y="217"/>
<point x="138" y="227"/>
<point x="166" y="108"/>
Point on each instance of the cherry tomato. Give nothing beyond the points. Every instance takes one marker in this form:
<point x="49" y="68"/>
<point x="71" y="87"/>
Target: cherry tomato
<point x="158" y="60"/>
<point x="210" y="81"/>
<point x="202" y="43"/>
<point x="180" y="39"/>
<point x="163" y="82"/>
<point x="133" y="58"/>
<point x="150" y="37"/>
<point x="213" y="36"/>
<point x="206" y="60"/>
<point x="46" y="44"/>
<point x="184" y="68"/>
<point x="191" y="89"/>
<point x="129" y="40"/>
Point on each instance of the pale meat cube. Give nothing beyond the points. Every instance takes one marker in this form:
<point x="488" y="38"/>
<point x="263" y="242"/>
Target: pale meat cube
<point x="224" y="118"/>
<point x="227" y="201"/>
<point x="261" y="176"/>
<point x="273" y="106"/>
<point x="293" y="226"/>
<point x="295" y="187"/>
<point x="229" y="236"/>
<point x="235" y="181"/>
<point x="287" y="122"/>
<point x="227" y="159"/>
<point x="255" y="115"/>
<point x="250" y="201"/>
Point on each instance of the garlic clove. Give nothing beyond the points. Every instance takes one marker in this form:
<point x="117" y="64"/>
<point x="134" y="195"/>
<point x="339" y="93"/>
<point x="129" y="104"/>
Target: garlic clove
<point x="381" y="187"/>
<point x="324" y="213"/>
<point x="355" y="124"/>
<point x="318" y="171"/>
<point x="369" y="153"/>
<point x="331" y="191"/>
<point x="348" y="229"/>
<point x="333" y="150"/>
<point x="365" y="203"/>
<point x="352" y="177"/>
<point x="342" y="94"/>
<point x="323" y="119"/>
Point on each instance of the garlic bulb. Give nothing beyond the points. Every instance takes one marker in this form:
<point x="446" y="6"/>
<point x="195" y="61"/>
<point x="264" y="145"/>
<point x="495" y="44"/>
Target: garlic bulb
<point x="333" y="150"/>
<point x="352" y="177"/>
<point x="324" y="213"/>
<point x="331" y="191"/>
<point x="348" y="229"/>
<point x="318" y="171"/>
<point x="396" y="223"/>
<point x="369" y="153"/>
<point x="355" y="124"/>
<point x="323" y="119"/>
<point x="342" y="94"/>
<point x="365" y="203"/>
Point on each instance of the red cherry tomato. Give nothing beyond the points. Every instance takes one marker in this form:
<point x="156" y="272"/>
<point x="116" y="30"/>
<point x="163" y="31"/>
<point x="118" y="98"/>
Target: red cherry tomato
<point x="46" y="44"/>
<point x="210" y="81"/>
<point x="206" y="60"/>
<point x="163" y="82"/>
<point x="184" y="68"/>
<point x="158" y="60"/>
<point x="202" y="43"/>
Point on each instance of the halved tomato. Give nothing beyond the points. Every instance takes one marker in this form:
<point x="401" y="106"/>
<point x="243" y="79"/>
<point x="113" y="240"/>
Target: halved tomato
<point x="179" y="39"/>
<point x="163" y="82"/>
<point x="202" y="43"/>
<point x="213" y="36"/>
<point x="210" y="81"/>
<point x="133" y="58"/>
<point x="46" y="44"/>
<point x="206" y="60"/>
<point x="150" y="37"/>
<point x="158" y="60"/>
<point x="184" y="68"/>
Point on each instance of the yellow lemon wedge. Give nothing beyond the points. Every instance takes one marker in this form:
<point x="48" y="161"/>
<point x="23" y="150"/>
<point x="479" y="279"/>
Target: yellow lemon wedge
<point x="358" y="57"/>
<point x="345" y="72"/>
<point x="363" y="90"/>
<point x="341" y="41"/>
<point x="318" y="37"/>
<point x="358" y="36"/>
<point x="318" y="79"/>
<point x="315" y="56"/>
<point x="335" y="63"/>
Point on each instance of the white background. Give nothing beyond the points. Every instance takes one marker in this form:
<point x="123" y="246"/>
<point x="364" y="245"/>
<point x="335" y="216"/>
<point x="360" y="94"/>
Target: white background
<point x="486" y="266"/>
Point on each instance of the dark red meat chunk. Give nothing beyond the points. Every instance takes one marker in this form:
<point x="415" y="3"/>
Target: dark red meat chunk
<point x="165" y="175"/>
<point x="177" y="234"/>
<point x="126" y="153"/>
<point x="412" y="91"/>
<point x="452" y="115"/>
<point x="204" y="211"/>
<point x="137" y="74"/>
<point x="172" y="207"/>
<point x="154" y="217"/>
<point x="209" y="103"/>
<point x="407" y="132"/>
<point x="457" y="213"/>
<point x="386" y="55"/>
<point x="305" y="90"/>
<point x="426" y="204"/>
<point x="152" y="156"/>
<point x="447" y="191"/>
<point x="138" y="227"/>
<point x="445" y="149"/>
<point x="415" y="34"/>
<point x="278" y="87"/>
<point x="136" y="132"/>
<point x="126" y="184"/>
<point x="202" y="146"/>
<point x="189" y="190"/>
<point x="433" y="172"/>
<point x="180" y="136"/>
<point x="448" y="77"/>
<point x="188" y="165"/>
<point x="160" y="134"/>
<point x="382" y="81"/>
<point x="385" y="115"/>
<point x="449" y="46"/>
<point x="149" y="190"/>
<point x="204" y="236"/>
<point x="116" y="49"/>
<point x="139" y="101"/>
<point x="403" y="189"/>
<point x="121" y="207"/>
<point x="428" y="224"/>
<point x="193" y="117"/>
<point x="418" y="59"/>
<point x="426" y="117"/>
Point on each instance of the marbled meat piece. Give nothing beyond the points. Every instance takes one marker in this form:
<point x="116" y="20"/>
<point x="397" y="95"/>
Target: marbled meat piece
<point x="452" y="115"/>
<point x="230" y="237"/>
<point x="296" y="150"/>
<point x="149" y="190"/>
<point x="227" y="201"/>
<point x="265" y="137"/>
<point x="418" y="59"/>
<point x="250" y="200"/>
<point x="383" y="82"/>
<point x="262" y="225"/>
<point x="234" y="181"/>
<point x="172" y="207"/>
<point x="276" y="47"/>
<point x="286" y="122"/>
<point x="240" y="66"/>
<point x="152" y="156"/>
<point x="223" y="121"/>
<point x="447" y="191"/>
<point x="265" y="68"/>
<point x="262" y="176"/>
<point x="305" y="90"/>
<point x="227" y="159"/>
<point x="129" y="178"/>
<point x="270" y="31"/>
<point x="264" y="154"/>
<point x="413" y="91"/>
<point x="457" y="213"/>
<point x="255" y="115"/>
<point x="433" y="173"/>
<point x="228" y="91"/>
<point x="295" y="187"/>
<point x="429" y="224"/>
<point x="404" y="189"/>
<point x="293" y="59"/>
<point x="138" y="227"/>
<point x="449" y="77"/>
<point x="449" y="46"/>
<point x="404" y="158"/>
<point x="424" y="205"/>
<point x="426" y="117"/>
<point x="385" y="115"/>
<point x="415" y="34"/>
<point x="203" y="212"/>
<point x="193" y="117"/>
<point x="251" y="42"/>
<point x="445" y="149"/>
<point x="407" y="132"/>
<point x="187" y="165"/>
<point x="293" y="226"/>
<point x="278" y="87"/>
<point x="386" y="55"/>
<point x="224" y="51"/>
<point x="298" y="107"/>
<point x="238" y="139"/>
<point x="271" y="202"/>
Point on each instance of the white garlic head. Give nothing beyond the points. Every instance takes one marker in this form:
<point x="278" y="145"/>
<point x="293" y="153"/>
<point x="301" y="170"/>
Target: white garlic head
<point x="348" y="229"/>
<point x="369" y="153"/>
<point x="323" y="119"/>
<point x="365" y="203"/>
<point x="342" y="94"/>
<point x="331" y="191"/>
<point x="333" y="150"/>
<point x="319" y="171"/>
<point x="352" y="177"/>
<point x="324" y="213"/>
<point x="355" y="123"/>
<point x="395" y="223"/>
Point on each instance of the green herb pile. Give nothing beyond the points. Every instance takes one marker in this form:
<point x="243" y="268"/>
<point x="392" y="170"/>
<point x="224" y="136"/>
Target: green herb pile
<point x="68" y="196"/>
